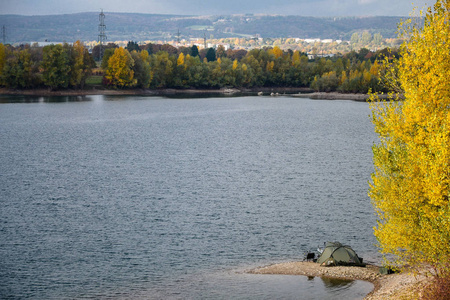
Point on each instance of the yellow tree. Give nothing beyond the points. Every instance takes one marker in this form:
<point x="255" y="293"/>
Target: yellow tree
<point x="78" y="63"/>
<point x="410" y="187"/>
<point x="2" y="57"/>
<point x="120" y="72"/>
<point x="235" y="64"/>
<point x="180" y="60"/>
<point x="82" y="64"/>
<point x="375" y="69"/>
<point x="343" y="77"/>
<point x="276" y="51"/>
<point x="296" y="58"/>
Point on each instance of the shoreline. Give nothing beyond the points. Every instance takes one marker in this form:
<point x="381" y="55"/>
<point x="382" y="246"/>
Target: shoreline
<point x="339" y="96"/>
<point x="265" y="91"/>
<point x="151" y="92"/>
<point x="392" y="286"/>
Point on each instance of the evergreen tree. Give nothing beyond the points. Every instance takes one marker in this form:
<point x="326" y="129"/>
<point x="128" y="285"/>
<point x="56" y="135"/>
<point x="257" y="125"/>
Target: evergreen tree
<point x="132" y="46"/>
<point x="194" y="51"/>
<point x="211" y="54"/>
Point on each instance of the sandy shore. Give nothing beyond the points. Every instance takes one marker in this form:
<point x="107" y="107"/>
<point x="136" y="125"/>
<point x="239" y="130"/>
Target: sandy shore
<point x="393" y="286"/>
<point x="338" y="96"/>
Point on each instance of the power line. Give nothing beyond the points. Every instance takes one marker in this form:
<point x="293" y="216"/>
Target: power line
<point x="4" y="34"/>
<point x="101" y="34"/>
<point x="204" y="39"/>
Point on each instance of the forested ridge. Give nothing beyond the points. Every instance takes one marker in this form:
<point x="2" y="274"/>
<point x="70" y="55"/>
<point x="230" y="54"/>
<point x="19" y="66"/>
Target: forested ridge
<point x="164" y="66"/>
<point x="151" y="27"/>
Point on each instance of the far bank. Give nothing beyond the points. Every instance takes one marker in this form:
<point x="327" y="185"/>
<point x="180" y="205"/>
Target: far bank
<point x="263" y="91"/>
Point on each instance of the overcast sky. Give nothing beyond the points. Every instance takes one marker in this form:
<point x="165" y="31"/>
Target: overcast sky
<point x="217" y="7"/>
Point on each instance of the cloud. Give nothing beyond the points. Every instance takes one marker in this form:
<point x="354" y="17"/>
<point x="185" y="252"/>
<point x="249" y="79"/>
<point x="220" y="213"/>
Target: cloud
<point x="365" y="1"/>
<point x="215" y="7"/>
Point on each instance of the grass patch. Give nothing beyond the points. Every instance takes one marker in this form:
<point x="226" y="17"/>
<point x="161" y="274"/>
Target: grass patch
<point x="201" y="27"/>
<point x="94" y="80"/>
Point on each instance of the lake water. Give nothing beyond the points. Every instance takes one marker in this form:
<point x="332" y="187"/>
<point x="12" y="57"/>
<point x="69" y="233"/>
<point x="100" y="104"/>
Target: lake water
<point x="155" y="198"/>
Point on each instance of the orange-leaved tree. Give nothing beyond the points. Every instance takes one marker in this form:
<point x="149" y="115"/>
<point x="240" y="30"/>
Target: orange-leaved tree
<point x="410" y="187"/>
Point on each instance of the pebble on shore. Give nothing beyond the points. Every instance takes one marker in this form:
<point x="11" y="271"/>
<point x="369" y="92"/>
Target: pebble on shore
<point x="394" y="286"/>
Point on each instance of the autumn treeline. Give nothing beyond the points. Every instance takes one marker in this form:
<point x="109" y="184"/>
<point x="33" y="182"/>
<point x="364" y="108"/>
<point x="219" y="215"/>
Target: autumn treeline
<point x="163" y="66"/>
<point x="54" y="66"/>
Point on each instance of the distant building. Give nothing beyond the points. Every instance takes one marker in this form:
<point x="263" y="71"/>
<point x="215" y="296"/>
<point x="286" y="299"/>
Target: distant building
<point x="309" y="41"/>
<point x="324" y="41"/>
<point x="46" y="43"/>
<point x="314" y="56"/>
<point x="226" y="46"/>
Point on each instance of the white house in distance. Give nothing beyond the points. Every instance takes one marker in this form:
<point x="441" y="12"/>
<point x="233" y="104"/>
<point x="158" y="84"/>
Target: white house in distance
<point x="314" y="56"/>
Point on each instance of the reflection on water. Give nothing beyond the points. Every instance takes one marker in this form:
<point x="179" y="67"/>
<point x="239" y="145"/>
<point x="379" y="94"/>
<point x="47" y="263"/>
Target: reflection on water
<point x="335" y="283"/>
<point x="57" y="99"/>
<point x="253" y="286"/>
<point x="39" y="99"/>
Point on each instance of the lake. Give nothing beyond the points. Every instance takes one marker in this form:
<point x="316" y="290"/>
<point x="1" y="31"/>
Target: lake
<point x="157" y="198"/>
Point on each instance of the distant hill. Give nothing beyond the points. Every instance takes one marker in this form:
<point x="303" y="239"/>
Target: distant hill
<point x="144" y="27"/>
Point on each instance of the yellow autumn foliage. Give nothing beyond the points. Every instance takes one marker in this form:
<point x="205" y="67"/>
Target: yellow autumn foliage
<point x="375" y="69"/>
<point x="269" y="66"/>
<point x="410" y="187"/>
<point x="144" y="54"/>
<point x="119" y="72"/>
<point x="180" y="60"/>
<point x="343" y="77"/>
<point x="235" y="64"/>
<point x="2" y="57"/>
<point x="276" y="51"/>
<point x="78" y="64"/>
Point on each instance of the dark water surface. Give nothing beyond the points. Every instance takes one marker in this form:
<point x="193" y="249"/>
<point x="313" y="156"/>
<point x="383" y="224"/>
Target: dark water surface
<point x="148" y="197"/>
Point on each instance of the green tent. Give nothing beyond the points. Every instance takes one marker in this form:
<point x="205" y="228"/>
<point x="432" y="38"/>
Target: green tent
<point x="336" y="254"/>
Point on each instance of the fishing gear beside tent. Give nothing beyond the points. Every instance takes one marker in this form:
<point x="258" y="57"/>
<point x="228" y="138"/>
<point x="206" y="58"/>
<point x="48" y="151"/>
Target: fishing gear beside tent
<point x="310" y="256"/>
<point x="336" y="254"/>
